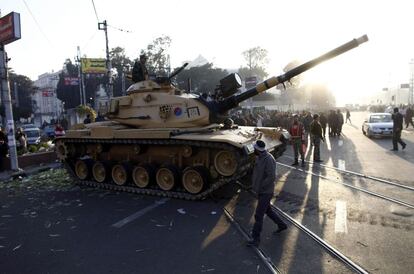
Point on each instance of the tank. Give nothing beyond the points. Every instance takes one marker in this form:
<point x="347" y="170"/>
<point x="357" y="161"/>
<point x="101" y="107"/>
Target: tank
<point x="160" y="140"/>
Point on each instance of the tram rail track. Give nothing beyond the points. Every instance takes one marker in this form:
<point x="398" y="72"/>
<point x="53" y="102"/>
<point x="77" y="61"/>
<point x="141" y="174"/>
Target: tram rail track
<point x="372" y="193"/>
<point x="344" y="171"/>
<point x="321" y="242"/>
<point x="259" y="252"/>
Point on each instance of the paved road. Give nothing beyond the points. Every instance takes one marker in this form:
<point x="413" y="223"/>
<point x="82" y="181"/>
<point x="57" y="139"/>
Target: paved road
<point x="49" y="227"/>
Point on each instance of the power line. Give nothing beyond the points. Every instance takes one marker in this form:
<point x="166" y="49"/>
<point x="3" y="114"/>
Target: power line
<point x="89" y="40"/>
<point x="94" y="8"/>
<point x="37" y="23"/>
<point x="123" y="30"/>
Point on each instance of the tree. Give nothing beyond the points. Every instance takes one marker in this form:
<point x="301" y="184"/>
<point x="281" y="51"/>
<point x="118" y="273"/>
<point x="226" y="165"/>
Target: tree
<point x="25" y="89"/>
<point x="121" y="63"/>
<point x="256" y="61"/>
<point x="67" y="93"/>
<point x="70" y="94"/>
<point x="157" y="55"/>
<point x="204" y="79"/>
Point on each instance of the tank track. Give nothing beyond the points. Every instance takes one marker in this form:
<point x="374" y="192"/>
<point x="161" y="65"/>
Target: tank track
<point x="243" y="168"/>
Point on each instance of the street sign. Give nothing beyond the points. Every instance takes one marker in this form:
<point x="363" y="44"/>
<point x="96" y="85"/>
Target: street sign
<point x="10" y="28"/>
<point x="93" y="65"/>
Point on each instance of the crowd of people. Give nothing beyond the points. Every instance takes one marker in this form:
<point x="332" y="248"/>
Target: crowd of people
<point x="331" y="121"/>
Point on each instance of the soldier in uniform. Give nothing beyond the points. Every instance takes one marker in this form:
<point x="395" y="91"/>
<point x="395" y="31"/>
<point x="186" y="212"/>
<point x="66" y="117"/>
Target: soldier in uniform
<point x="139" y="71"/>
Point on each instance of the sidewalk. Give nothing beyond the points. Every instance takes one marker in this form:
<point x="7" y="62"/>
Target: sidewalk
<point x="27" y="171"/>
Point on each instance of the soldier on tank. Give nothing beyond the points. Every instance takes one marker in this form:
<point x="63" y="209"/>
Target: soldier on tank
<point x="139" y="71"/>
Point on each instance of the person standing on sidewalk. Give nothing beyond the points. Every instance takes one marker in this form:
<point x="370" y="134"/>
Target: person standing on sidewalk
<point x="316" y="134"/>
<point x="3" y="147"/>
<point x="263" y="184"/>
<point x="397" y="118"/>
<point x="297" y="133"/>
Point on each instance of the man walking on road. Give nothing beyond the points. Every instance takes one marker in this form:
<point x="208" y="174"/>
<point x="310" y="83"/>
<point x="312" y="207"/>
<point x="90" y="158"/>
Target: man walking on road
<point x="348" y="116"/>
<point x="316" y="134"/>
<point x="396" y="130"/>
<point x="263" y="184"/>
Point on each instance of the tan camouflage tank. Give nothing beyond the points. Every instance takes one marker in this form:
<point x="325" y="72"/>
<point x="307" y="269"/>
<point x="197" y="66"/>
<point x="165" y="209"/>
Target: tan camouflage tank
<point x="160" y="140"/>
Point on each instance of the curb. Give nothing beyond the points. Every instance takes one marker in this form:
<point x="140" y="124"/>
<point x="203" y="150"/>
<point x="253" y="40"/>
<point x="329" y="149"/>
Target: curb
<point x="7" y="175"/>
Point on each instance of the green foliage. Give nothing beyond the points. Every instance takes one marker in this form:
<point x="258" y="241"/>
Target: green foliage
<point x="256" y="61"/>
<point x="25" y="89"/>
<point x="33" y="148"/>
<point x="157" y="55"/>
<point x="204" y="78"/>
<point x="255" y="57"/>
<point x="68" y="94"/>
<point x="83" y="110"/>
<point x="121" y="63"/>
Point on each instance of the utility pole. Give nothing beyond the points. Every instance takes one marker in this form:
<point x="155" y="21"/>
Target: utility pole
<point x="123" y="81"/>
<point x="104" y="26"/>
<point x="80" y="77"/>
<point x="411" y="89"/>
<point x="5" y="87"/>
<point x="16" y="94"/>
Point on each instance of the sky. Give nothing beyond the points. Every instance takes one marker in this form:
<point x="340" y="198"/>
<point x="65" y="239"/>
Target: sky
<point x="220" y="30"/>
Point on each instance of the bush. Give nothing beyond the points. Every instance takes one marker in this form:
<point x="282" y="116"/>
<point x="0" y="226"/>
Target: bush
<point x="83" y="110"/>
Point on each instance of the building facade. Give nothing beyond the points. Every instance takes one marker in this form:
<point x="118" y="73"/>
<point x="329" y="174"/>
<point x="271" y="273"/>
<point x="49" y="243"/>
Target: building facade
<point x="46" y="105"/>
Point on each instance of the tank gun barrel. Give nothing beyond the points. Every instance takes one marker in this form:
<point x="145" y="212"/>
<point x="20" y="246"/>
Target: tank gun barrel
<point x="177" y="71"/>
<point x="234" y="100"/>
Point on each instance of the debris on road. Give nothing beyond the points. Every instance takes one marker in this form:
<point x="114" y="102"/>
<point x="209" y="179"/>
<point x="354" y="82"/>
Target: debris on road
<point x="17" y="247"/>
<point x="181" y="211"/>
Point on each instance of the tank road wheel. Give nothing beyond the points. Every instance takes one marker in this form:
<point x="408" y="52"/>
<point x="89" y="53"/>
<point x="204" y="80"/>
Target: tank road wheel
<point x="100" y="172"/>
<point x="225" y="163"/>
<point x="195" y="179"/>
<point x="120" y="174"/>
<point x="143" y="175"/>
<point x="82" y="169"/>
<point x="62" y="151"/>
<point x="167" y="177"/>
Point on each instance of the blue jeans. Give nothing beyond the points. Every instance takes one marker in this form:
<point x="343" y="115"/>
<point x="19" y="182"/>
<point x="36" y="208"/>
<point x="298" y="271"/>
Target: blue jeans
<point x="263" y="207"/>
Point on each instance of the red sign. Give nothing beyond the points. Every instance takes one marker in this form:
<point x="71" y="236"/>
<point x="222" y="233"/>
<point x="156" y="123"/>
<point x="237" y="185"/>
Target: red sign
<point x="10" y="28"/>
<point x="71" y="81"/>
<point x="47" y="93"/>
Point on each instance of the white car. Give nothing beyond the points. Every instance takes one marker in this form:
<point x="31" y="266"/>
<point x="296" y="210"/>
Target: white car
<point x="378" y="124"/>
<point x="33" y="134"/>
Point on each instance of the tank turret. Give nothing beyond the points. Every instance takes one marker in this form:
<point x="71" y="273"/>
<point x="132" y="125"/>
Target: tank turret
<point x="158" y="104"/>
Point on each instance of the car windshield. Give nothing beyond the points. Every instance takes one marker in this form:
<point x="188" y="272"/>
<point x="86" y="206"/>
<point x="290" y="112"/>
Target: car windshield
<point x="380" y="118"/>
<point x="32" y="133"/>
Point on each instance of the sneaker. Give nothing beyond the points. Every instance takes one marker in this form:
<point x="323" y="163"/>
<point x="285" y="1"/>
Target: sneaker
<point x="280" y="229"/>
<point x="403" y="146"/>
<point x="252" y="243"/>
<point x="393" y="149"/>
<point x="295" y="164"/>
